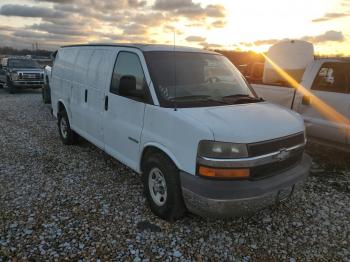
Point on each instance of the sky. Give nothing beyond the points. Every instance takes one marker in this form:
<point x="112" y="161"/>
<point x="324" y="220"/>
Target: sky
<point x="212" y="24"/>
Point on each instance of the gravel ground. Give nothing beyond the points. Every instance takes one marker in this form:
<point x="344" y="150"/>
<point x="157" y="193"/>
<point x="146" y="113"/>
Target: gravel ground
<point x="76" y="202"/>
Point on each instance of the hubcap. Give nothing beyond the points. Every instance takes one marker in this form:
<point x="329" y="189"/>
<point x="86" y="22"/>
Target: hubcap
<point x="157" y="186"/>
<point x="64" y="127"/>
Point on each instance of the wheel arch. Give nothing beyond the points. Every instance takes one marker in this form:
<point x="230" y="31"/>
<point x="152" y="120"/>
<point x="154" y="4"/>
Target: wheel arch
<point x="61" y="106"/>
<point x="154" y="148"/>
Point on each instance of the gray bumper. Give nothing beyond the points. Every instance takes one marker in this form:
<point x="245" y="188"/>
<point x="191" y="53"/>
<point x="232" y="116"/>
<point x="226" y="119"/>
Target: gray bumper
<point x="27" y="84"/>
<point x="218" y="198"/>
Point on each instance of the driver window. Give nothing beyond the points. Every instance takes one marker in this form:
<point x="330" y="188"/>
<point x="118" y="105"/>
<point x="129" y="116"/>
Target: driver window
<point x="127" y="64"/>
<point x="333" y="77"/>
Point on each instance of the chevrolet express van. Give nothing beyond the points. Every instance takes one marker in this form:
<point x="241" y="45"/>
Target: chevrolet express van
<point x="186" y="120"/>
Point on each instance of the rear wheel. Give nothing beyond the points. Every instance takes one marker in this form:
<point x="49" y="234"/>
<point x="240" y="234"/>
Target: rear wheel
<point x="162" y="187"/>
<point x="67" y="135"/>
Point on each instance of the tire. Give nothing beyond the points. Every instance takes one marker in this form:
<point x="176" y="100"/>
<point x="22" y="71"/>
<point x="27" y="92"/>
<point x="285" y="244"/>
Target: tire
<point x="46" y="94"/>
<point x="67" y="135"/>
<point x="165" y="196"/>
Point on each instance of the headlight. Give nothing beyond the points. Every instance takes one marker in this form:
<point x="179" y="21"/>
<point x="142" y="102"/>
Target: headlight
<point x="14" y="76"/>
<point x="221" y="150"/>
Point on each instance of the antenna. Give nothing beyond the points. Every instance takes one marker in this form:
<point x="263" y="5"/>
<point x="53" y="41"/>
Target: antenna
<point x="175" y="85"/>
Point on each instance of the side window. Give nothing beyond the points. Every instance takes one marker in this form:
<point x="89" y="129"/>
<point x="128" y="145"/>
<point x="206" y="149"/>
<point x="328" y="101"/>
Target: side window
<point x="333" y="77"/>
<point x="128" y="64"/>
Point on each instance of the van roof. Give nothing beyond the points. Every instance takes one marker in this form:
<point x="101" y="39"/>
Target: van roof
<point x="150" y="47"/>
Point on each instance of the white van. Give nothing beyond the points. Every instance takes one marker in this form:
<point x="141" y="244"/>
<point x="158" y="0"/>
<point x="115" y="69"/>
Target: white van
<point x="186" y="120"/>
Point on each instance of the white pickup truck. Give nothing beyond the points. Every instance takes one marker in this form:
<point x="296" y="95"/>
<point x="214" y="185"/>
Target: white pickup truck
<point x="328" y="80"/>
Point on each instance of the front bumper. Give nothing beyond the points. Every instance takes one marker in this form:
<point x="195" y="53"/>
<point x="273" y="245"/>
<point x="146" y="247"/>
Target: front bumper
<point x="219" y="198"/>
<point x="27" y="84"/>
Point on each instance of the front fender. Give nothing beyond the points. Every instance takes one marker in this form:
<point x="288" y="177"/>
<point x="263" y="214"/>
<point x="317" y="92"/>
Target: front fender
<point x="162" y="148"/>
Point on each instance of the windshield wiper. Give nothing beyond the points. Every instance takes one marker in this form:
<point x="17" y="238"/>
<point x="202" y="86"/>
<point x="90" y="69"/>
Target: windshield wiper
<point x="240" y="97"/>
<point x="200" y="98"/>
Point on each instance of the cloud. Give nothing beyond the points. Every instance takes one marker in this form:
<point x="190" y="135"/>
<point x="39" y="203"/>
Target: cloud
<point x="189" y="9"/>
<point x="218" y="24"/>
<point x="195" y="39"/>
<point x="211" y="46"/>
<point x="329" y="36"/>
<point x="330" y="16"/>
<point x="29" y="11"/>
<point x="59" y="29"/>
<point x="61" y="21"/>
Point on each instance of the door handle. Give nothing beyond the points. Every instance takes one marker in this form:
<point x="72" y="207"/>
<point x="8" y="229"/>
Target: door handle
<point x="86" y="95"/>
<point x="106" y="103"/>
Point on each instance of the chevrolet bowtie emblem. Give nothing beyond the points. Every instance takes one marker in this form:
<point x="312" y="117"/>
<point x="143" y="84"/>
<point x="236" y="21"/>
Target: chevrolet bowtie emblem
<point x="282" y="155"/>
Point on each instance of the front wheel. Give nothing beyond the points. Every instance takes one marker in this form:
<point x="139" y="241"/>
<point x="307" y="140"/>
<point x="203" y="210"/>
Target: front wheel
<point x="163" y="188"/>
<point x="67" y="135"/>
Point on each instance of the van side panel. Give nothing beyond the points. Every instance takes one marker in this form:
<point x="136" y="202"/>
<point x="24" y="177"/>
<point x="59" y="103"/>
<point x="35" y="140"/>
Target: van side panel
<point x="81" y="76"/>
<point x="79" y="82"/>
<point x="101" y="63"/>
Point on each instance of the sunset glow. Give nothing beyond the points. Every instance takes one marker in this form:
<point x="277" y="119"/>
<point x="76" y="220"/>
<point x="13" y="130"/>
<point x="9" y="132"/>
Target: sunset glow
<point x="213" y="24"/>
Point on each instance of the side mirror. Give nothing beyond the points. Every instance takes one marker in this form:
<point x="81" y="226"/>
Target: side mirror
<point x="127" y="87"/>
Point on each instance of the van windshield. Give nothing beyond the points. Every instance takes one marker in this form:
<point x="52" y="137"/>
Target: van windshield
<point x="200" y="79"/>
<point x="23" y="63"/>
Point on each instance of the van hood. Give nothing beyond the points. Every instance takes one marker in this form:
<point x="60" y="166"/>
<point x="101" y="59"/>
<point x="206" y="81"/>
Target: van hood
<point x="248" y="123"/>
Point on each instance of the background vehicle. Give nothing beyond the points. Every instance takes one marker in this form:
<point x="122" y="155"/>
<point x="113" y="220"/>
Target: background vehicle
<point x="46" y="90"/>
<point x="326" y="79"/>
<point x="21" y="73"/>
<point x="186" y="120"/>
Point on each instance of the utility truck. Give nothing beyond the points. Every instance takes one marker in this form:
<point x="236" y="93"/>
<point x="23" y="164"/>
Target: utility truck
<point x="319" y="90"/>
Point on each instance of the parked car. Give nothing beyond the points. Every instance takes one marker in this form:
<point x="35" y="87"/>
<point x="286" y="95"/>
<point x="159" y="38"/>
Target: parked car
<point x="186" y="120"/>
<point x="46" y="90"/>
<point x="324" y="79"/>
<point x="21" y="73"/>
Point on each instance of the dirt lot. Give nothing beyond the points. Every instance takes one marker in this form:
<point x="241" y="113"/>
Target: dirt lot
<point x="76" y="202"/>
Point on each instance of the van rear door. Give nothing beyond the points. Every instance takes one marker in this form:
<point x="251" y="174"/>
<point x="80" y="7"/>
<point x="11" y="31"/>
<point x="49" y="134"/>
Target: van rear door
<point x="123" y="117"/>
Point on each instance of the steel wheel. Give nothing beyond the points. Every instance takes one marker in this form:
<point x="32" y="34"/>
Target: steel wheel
<point x="64" y="128"/>
<point x="157" y="186"/>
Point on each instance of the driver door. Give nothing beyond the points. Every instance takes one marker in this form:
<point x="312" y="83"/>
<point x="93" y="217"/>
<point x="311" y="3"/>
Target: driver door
<point x="123" y="117"/>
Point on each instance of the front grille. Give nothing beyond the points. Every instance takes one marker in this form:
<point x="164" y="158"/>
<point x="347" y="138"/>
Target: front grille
<point x="36" y="76"/>
<point x="266" y="147"/>
<point x="263" y="171"/>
